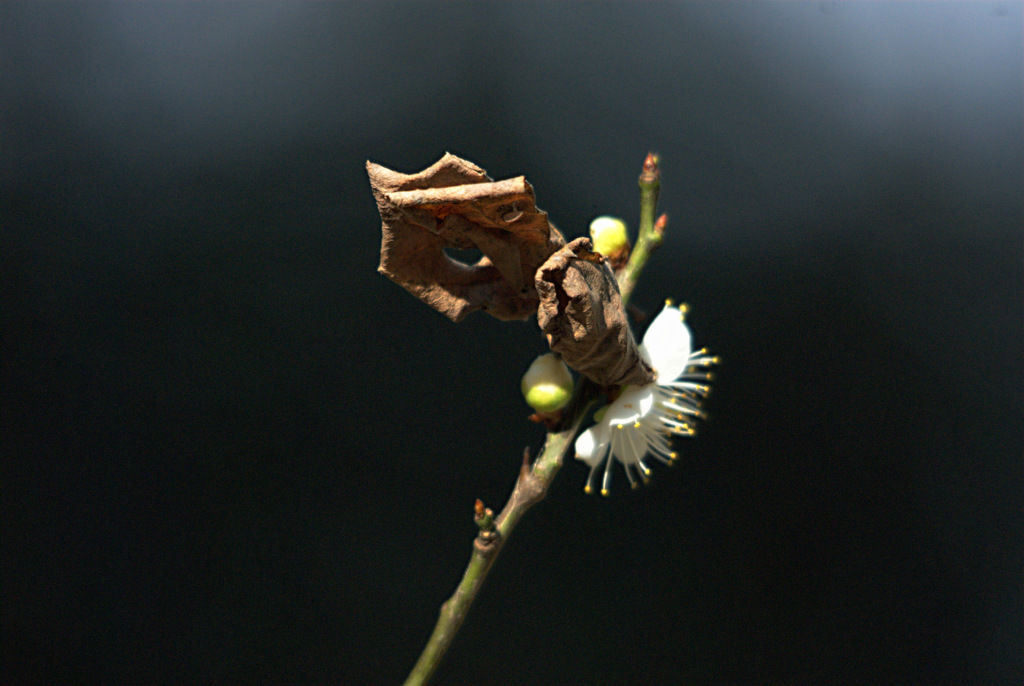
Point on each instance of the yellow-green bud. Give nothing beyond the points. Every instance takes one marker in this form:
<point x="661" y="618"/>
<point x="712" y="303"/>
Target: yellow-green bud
<point x="547" y="384"/>
<point x="609" y="236"/>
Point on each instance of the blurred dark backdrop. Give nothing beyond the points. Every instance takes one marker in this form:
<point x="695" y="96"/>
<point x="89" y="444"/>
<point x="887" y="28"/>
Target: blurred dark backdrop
<point x="233" y="453"/>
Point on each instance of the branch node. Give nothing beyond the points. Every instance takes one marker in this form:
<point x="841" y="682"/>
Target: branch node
<point x="484" y="518"/>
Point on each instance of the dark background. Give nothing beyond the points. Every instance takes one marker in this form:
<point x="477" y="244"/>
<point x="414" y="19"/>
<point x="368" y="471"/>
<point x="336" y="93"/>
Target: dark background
<point x="233" y="453"/>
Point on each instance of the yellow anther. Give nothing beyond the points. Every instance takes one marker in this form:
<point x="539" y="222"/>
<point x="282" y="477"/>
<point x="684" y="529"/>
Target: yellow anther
<point x="588" y="489"/>
<point x="604" y="492"/>
<point x="668" y="302"/>
<point x="619" y="426"/>
<point x="634" y="485"/>
<point x="636" y="425"/>
<point x="673" y="456"/>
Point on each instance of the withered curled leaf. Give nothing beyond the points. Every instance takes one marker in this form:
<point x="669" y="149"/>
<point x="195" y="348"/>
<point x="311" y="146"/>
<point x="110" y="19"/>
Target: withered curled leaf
<point x="582" y="314"/>
<point x="454" y="204"/>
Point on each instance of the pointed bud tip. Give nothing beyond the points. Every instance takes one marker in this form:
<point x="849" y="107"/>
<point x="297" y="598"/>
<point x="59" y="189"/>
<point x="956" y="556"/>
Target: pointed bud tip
<point x="660" y="224"/>
<point x="651" y="175"/>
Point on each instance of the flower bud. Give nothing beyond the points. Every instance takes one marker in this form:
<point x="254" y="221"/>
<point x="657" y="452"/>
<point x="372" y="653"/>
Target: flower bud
<point x="610" y="237"/>
<point x="547" y="384"/>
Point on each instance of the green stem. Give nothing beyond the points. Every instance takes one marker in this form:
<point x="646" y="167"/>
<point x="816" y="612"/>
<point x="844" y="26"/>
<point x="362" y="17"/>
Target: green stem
<point x="650" y="233"/>
<point x="531" y="487"/>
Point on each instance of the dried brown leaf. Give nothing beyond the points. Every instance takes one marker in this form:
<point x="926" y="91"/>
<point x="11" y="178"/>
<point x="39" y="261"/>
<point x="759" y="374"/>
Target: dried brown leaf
<point x="582" y="314"/>
<point x="454" y="204"/>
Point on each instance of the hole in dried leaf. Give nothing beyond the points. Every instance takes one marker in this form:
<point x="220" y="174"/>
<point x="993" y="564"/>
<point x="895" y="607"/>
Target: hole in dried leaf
<point x="510" y="213"/>
<point x="454" y="203"/>
<point x="468" y="257"/>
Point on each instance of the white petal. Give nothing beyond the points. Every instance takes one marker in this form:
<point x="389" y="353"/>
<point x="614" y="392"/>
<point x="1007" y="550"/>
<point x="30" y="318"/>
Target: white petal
<point x="635" y="403"/>
<point x="592" y="444"/>
<point x="667" y="344"/>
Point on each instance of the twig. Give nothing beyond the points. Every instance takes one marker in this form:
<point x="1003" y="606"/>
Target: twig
<point x="650" y="232"/>
<point x="531" y="487"/>
<point x="534" y="480"/>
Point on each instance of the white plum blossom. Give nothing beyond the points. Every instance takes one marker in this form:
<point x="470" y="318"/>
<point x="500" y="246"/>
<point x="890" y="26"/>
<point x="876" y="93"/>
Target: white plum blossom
<point x="641" y="420"/>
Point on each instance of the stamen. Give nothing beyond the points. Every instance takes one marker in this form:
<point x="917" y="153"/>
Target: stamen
<point x="629" y="475"/>
<point x="607" y="480"/>
<point x="671" y="421"/>
<point x="692" y="410"/>
<point x="631" y="438"/>
<point x="590" y="478"/>
<point x="691" y="389"/>
<point x="659" y="446"/>
<point x="664" y="460"/>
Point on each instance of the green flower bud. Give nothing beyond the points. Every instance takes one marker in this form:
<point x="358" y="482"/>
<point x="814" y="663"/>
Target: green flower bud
<point x="610" y="237"/>
<point x="547" y="384"/>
